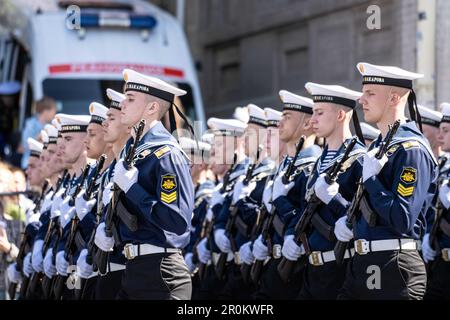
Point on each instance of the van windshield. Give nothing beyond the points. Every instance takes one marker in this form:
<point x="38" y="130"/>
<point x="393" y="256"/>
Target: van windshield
<point x="74" y="95"/>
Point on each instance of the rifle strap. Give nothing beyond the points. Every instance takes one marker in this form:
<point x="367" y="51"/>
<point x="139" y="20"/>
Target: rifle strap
<point x="79" y="241"/>
<point x="323" y="228"/>
<point x="368" y="214"/>
<point x="129" y="219"/>
<point x="445" y="227"/>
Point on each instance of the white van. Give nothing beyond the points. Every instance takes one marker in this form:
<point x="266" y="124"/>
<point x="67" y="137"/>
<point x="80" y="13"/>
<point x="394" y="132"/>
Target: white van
<point x="73" y="53"/>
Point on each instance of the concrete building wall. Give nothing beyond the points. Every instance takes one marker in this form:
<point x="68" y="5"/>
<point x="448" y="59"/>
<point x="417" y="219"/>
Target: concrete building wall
<point x="249" y="50"/>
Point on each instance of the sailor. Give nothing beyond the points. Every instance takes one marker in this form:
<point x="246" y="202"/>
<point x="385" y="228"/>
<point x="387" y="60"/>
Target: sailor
<point x="398" y="191"/>
<point x="157" y="196"/>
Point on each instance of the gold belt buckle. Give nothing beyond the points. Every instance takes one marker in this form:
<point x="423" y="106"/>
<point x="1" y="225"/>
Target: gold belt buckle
<point x="315" y="258"/>
<point x="128" y="251"/>
<point x="276" y="251"/>
<point x="445" y="255"/>
<point x="361" y="246"/>
<point x="237" y="258"/>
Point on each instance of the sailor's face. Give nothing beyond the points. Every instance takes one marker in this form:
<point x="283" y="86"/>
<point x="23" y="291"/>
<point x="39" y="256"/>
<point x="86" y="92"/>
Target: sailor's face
<point x="53" y="163"/>
<point x="324" y="119"/>
<point x="273" y="142"/>
<point x="73" y="146"/>
<point x="94" y="142"/>
<point x="374" y="102"/>
<point x="224" y="147"/>
<point x="254" y="136"/>
<point x="432" y="135"/>
<point x="113" y="127"/>
<point x="57" y="159"/>
<point x="133" y="107"/>
<point x="44" y="158"/>
<point x="444" y="136"/>
<point x="33" y="173"/>
<point x="290" y="121"/>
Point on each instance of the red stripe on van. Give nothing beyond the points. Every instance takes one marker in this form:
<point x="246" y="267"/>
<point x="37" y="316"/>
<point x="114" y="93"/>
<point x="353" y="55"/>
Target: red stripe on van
<point x="101" y="67"/>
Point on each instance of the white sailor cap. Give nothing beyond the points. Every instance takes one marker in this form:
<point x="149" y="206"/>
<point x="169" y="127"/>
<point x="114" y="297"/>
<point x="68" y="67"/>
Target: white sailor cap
<point x="387" y="75"/>
<point x="369" y="132"/>
<point x="333" y="94"/>
<point x="256" y="115"/>
<point x="429" y="116"/>
<point x="57" y="125"/>
<point x="273" y="117"/>
<point x="445" y="109"/>
<point x="35" y="147"/>
<point x="227" y="127"/>
<point x="241" y="114"/>
<point x="52" y="133"/>
<point x="115" y="97"/>
<point x="45" y="138"/>
<point x="98" y="113"/>
<point x="136" y="81"/>
<point x="190" y="146"/>
<point x="208" y="138"/>
<point x="73" y="123"/>
<point x="295" y="102"/>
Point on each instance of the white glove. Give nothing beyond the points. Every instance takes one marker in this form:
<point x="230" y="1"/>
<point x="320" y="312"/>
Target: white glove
<point x="241" y="190"/>
<point x="49" y="268"/>
<point x="27" y="267"/>
<point x="29" y="211"/>
<point x="125" y="178"/>
<point x="325" y="191"/>
<point x="101" y="240"/>
<point x="107" y="194"/>
<point x="341" y="231"/>
<point x="67" y="212"/>
<point x="427" y="252"/>
<point x="222" y="240"/>
<point x="279" y="188"/>
<point x="216" y="198"/>
<point x="260" y="250"/>
<point x="245" y="253"/>
<point x="267" y="196"/>
<point x="444" y="195"/>
<point x="14" y="276"/>
<point x="204" y="255"/>
<point x="84" y="270"/>
<point x="47" y="203"/>
<point x="372" y="166"/>
<point x="82" y="206"/>
<point x="291" y="250"/>
<point x="37" y="258"/>
<point x="32" y="218"/>
<point x="189" y="263"/>
<point x="57" y="200"/>
<point x="61" y="263"/>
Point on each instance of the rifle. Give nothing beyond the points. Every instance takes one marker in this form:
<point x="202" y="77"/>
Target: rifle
<point x="111" y="213"/>
<point x="19" y="265"/>
<point x="267" y="223"/>
<point x="286" y="267"/>
<point x="226" y="178"/>
<point x="438" y="217"/>
<point x="47" y="283"/>
<point x="60" y="280"/>
<point x="100" y="163"/>
<point x="21" y="255"/>
<point x="37" y="276"/>
<point x="341" y="247"/>
<point x="222" y="260"/>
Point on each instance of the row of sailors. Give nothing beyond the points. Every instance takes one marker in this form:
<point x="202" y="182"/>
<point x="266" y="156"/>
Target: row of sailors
<point x="240" y="227"/>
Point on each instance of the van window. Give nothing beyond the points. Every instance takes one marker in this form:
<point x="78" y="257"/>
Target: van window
<point x="75" y="95"/>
